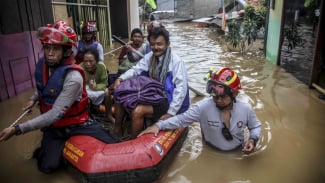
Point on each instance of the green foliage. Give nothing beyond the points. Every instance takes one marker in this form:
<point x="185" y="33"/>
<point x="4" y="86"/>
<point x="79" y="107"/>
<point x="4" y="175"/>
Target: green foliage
<point x="249" y="25"/>
<point x="249" y="13"/>
<point x="233" y="36"/>
<point x="253" y="21"/>
<point x="262" y="3"/>
<point x="250" y="31"/>
<point x="308" y="3"/>
<point x="260" y="14"/>
<point x="311" y="6"/>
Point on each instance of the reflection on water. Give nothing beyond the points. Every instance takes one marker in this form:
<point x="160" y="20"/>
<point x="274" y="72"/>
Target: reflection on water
<point x="288" y="110"/>
<point x="293" y="119"/>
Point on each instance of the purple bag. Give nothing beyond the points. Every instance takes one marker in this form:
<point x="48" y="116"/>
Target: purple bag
<point x="139" y="90"/>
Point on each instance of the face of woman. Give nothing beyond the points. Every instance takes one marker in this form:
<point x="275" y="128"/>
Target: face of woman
<point x="90" y="62"/>
<point x="158" y="45"/>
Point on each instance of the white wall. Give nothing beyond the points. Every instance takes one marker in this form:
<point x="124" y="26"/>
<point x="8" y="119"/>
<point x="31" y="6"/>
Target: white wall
<point x="133" y="14"/>
<point x="165" y="5"/>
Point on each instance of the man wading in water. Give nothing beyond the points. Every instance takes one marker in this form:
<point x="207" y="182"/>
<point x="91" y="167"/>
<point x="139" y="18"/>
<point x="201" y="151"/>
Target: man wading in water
<point x="222" y="117"/>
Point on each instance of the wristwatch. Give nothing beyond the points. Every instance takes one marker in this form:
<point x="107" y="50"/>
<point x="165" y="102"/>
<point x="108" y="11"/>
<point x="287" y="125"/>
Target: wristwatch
<point x="17" y="130"/>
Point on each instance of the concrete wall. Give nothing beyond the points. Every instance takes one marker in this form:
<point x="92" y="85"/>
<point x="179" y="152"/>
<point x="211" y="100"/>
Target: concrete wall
<point x="184" y="8"/>
<point x="274" y="28"/>
<point x="195" y="8"/>
<point x="133" y="14"/>
<point x="164" y="5"/>
<point x="205" y="8"/>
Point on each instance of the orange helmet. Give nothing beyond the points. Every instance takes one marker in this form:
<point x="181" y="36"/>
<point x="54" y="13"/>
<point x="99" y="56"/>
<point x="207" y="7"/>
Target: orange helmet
<point x="224" y="81"/>
<point x="59" y="33"/>
<point x="89" y="27"/>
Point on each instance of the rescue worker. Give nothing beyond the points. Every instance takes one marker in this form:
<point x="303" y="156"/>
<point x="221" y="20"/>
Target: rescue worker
<point x="88" y="39"/>
<point x="223" y="118"/>
<point x="62" y="97"/>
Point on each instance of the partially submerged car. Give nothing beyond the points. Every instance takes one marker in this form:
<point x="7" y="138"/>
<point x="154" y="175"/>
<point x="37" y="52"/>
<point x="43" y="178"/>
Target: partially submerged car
<point x="160" y="15"/>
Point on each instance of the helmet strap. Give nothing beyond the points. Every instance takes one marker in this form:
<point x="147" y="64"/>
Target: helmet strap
<point x="229" y="106"/>
<point x="233" y="100"/>
<point x="225" y="107"/>
<point x="52" y="65"/>
<point x="67" y="51"/>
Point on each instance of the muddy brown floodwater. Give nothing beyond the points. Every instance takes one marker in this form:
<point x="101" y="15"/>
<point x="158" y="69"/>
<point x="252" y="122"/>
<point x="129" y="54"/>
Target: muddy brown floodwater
<point x="291" y="148"/>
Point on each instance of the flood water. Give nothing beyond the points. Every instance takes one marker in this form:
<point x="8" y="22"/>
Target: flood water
<point x="291" y="148"/>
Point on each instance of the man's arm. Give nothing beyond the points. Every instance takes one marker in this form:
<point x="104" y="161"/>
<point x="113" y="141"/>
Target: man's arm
<point x="181" y="89"/>
<point x="193" y="114"/>
<point x="72" y="89"/>
<point x="121" y="55"/>
<point x="141" y="66"/>
<point x="254" y="126"/>
<point x="102" y="80"/>
<point x="100" y="52"/>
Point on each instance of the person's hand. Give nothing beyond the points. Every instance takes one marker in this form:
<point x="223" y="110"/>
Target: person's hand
<point x="249" y="146"/>
<point x="7" y="133"/>
<point x="111" y="89"/>
<point x="151" y="129"/>
<point x="92" y="84"/>
<point x="165" y="116"/>
<point x="117" y="83"/>
<point x="128" y="47"/>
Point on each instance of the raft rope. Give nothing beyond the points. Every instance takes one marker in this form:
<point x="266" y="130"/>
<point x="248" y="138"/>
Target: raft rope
<point x="21" y="116"/>
<point x="110" y="52"/>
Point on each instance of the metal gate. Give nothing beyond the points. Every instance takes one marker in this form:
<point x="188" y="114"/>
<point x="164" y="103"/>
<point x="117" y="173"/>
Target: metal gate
<point x="90" y="10"/>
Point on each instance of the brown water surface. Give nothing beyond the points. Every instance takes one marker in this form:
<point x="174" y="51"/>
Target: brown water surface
<point x="293" y="118"/>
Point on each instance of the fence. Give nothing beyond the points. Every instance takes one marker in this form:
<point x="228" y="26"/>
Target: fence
<point x="90" y="10"/>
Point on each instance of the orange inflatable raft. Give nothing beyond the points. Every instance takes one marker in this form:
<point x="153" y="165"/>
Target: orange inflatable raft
<point x="143" y="159"/>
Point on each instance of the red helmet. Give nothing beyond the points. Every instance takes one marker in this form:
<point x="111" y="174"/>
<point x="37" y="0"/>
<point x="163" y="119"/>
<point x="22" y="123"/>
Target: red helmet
<point x="89" y="27"/>
<point x="224" y="81"/>
<point x="59" y="33"/>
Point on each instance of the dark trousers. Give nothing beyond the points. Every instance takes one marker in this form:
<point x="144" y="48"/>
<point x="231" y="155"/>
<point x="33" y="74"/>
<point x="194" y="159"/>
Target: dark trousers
<point x="49" y="157"/>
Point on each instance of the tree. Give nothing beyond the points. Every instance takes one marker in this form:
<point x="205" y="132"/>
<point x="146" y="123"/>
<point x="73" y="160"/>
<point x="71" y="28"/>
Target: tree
<point x="243" y="34"/>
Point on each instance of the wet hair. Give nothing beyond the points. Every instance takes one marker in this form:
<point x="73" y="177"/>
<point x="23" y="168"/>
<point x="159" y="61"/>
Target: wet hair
<point x="159" y="31"/>
<point x="136" y="30"/>
<point x="93" y="51"/>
